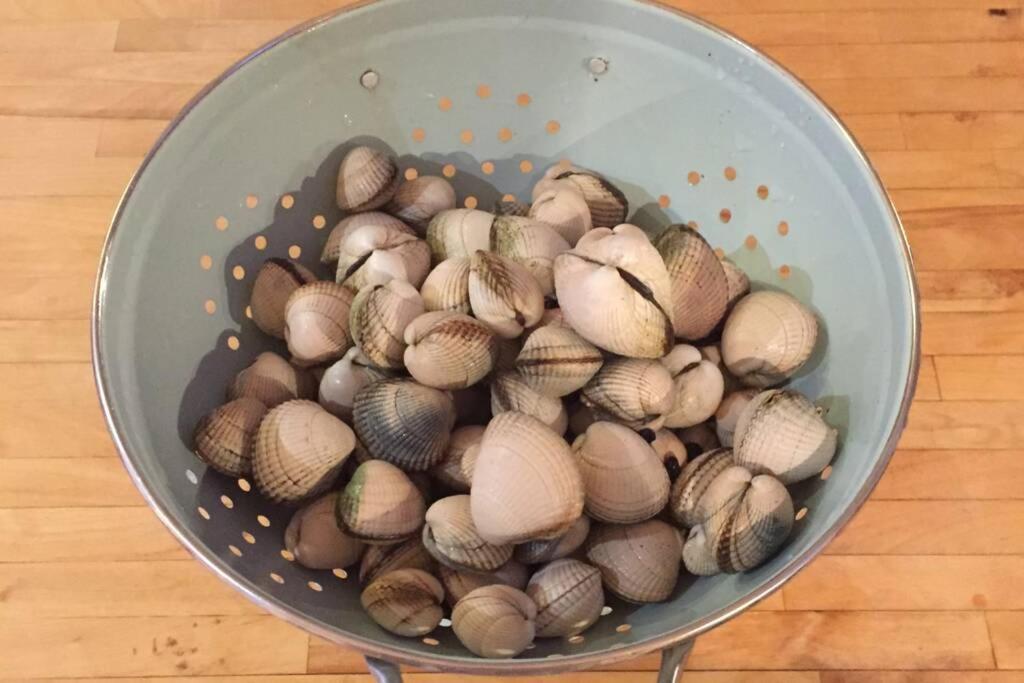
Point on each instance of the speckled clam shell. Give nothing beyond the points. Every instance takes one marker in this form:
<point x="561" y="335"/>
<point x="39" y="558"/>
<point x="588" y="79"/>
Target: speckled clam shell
<point x="495" y="621"/>
<point x="737" y="282"/>
<point x="378" y="320"/>
<point x="406" y="602"/>
<point x="621" y="269"/>
<point x="314" y="539"/>
<point x="447" y="350"/>
<point x="374" y="254"/>
<point x="367" y="179"/>
<point x="700" y="289"/>
<point x="418" y="200"/>
<point x="699" y="439"/>
<point x="459" y="233"/>
<point x="509" y="392"/>
<point x="276" y="280"/>
<point x="638" y="562"/>
<point x="450" y="471"/>
<point x="530" y="243"/>
<point x="503" y="294"/>
<point x="636" y="392"/>
<point x="548" y="550"/>
<point x="608" y="205"/>
<point x="224" y="438"/>
<point x="316" y="322"/>
<point x="783" y="434"/>
<point x="343" y="380"/>
<point x="404" y="423"/>
<point x="671" y="451"/>
<point x="555" y="361"/>
<point x="565" y="210"/>
<point x="511" y="207"/>
<point x="299" y="451"/>
<point x="768" y="336"/>
<point x="458" y="584"/>
<point x="272" y="380"/>
<point x="381" y="559"/>
<point x="526" y="485"/>
<point x="332" y="247"/>
<point x="569" y="598"/>
<point x="380" y="504"/>
<point x="698" y="387"/>
<point x="624" y="480"/>
<point x="728" y="414"/>
<point x="693" y="482"/>
<point x="451" y="537"/>
<point x="447" y="287"/>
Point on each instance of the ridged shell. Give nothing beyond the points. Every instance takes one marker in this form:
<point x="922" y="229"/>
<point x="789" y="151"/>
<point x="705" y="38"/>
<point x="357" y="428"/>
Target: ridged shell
<point x="449" y="350"/>
<point x="608" y="205"/>
<point x="569" y="598"/>
<point x="453" y="540"/>
<point x="693" y="482"/>
<point x="332" y="247"/>
<point x="638" y="562"/>
<point x="509" y="392"/>
<point x="316" y="322"/>
<point x="224" y="438"/>
<point x="272" y="380"/>
<point x="622" y="270"/>
<point x="783" y="434"/>
<point x="699" y="439"/>
<point x="299" y="451"/>
<point x="459" y="584"/>
<point x="511" y="207"/>
<point x="698" y="387"/>
<point x="728" y="414"/>
<point x="459" y="233"/>
<point x="274" y="283"/>
<point x="526" y="485"/>
<point x="700" y="289"/>
<point x="380" y="504"/>
<point x="495" y="621"/>
<point x="450" y="471"/>
<point x="530" y="243"/>
<point x="418" y="200"/>
<point x="404" y="423"/>
<point x="367" y="179"/>
<point x="343" y="380"/>
<point x="374" y="254"/>
<point x="382" y="559"/>
<point x="503" y="294"/>
<point x="555" y="361"/>
<point x="539" y="552"/>
<point x="713" y="354"/>
<point x="768" y="336"/>
<point x="738" y="284"/>
<point x="671" y="451"/>
<point x="624" y="480"/>
<point x="378" y="320"/>
<point x="636" y="392"/>
<point x="565" y="210"/>
<point x="447" y="287"/>
<point x="314" y="539"/>
<point x="406" y="602"/>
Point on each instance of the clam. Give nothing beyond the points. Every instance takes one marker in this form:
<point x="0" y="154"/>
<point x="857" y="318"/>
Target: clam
<point x="447" y="286"/>
<point x="382" y="559"/>
<point x="418" y="200"/>
<point x="783" y="434"/>
<point x="539" y="552"/>
<point x="224" y="438"/>
<point x="569" y="598"/>
<point x="503" y="294"/>
<point x="367" y="179"/>
<point x="380" y="504"/>
<point x="530" y="243"/>
<point x="622" y="270"/>
<point x="509" y="392"/>
<point x="737" y="281"/>
<point x="450" y="536"/>
<point x="472" y="404"/>
<point x="698" y="387"/>
<point x="495" y="621"/>
<point x="450" y="470"/>
<point x="671" y="450"/>
<point x="275" y="282"/>
<point x="526" y="485"/>
<point x="699" y="439"/>
<point x="314" y="539"/>
<point x="511" y="207"/>
<point x="624" y="480"/>
<point x="728" y="414"/>
<point x="459" y="584"/>
<point x="374" y="254"/>
<point x="343" y="380"/>
<point x="693" y="481"/>
<point x="608" y="205"/>
<point x="406" y="602"/>
<point x="713" y="354"/>
<point x="272" y="380"/>
<point x="299" y="451"/>
<point x="332" y="247"/>
<point x="638" y="562"/>
<point x="316" y="322"/>
<point x="636" y="392"/>
<point x="378" y="320"/>
<point x="404" y="423"/>
<point x="565" y="210"/>
<point x="700" y="290"/>
<point x="768" y="336"/>
<point x="449" y="350"/>
<point x="459" y="233"/>
<point x="555" y="361"/>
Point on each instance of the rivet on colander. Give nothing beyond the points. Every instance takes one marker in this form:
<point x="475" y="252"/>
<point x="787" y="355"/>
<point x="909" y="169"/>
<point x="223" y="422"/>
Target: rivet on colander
<point x="370" y="79"/>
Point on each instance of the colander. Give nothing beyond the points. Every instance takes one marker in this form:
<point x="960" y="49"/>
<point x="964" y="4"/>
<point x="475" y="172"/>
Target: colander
<point x="693" y="124"/>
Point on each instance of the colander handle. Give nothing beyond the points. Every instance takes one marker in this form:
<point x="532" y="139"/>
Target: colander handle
<point x="383" y="672"/>
<point x="673" y="661"/>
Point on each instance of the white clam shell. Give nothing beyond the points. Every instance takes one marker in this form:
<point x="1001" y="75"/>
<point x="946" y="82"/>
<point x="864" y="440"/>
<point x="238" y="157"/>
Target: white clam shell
<point x="272" y="380"/>
<point x="316" y="322"/>
<point x="418" y="200"/>
<point x="274" y="283"/>
<point x="768" y="336"/>
<point x="555" y="361"/>
<point x="449" y="350"/>
<point x="367" y="179"/>
<point x="378" y="318"/>
<point x="314" y="539"/>
<point x="495" y="621"/>
<point x="380" y="504"/>
<point x="698" y="387"/>
<point x="447" y="286"/>
<point x="737" y="281"/>
<point x="374" y="254"/>
<point x="548" y="550"/>
<point x="452" y="538"/>
<point x="728" y="414"/>
<point x="343" y="380"/>
<point x="607" y="203"/>
<point x="569" y="598"/>
<point x="503" y="294"/>
<point x="459" y="233"/>
<point x="509" y="392"/>
<point x="700" y="290"/>
<point x="638" y="562"/>
<point x="530" y="243"/>
<point x="406" y="602"/>
<point x="332" y="247"/>
<point x="565" y="210"/>
<point x="634" y="391"/>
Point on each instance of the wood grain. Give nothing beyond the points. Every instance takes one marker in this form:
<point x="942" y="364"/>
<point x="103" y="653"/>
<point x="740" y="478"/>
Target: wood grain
<point x="1007" y="630"/>
<point x="982" y="378"/>
<point x="952" y="474"/>
<point x="964" y="424"/>
<point x="972" y="291"/>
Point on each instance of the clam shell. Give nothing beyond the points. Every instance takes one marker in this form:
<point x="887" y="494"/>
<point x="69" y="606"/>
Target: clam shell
<point x="624" y="480"/>
<point x="530" y="243"/>
<point x="555" y="361"/>
<point x="459" y="584"/>
<point x="459" y="233"/>
<point x="447" y="286"/>
<point x="638" y="562"/>
<point x="374" y="254"/>
<point x="699" y="439"/>
<point x="513" y="207"/>
<point x="224" y="438"/>
<point x="737" y="282"/>
<point x="526" y="484"/>
<point x="382" y="559"/>
<point x="404" y="423"/>
<point x="713" y="354"/>
<point x="272" y="380"/>
<point x="693" y="482"/>
<point x="332" y="247"/>
<point x="565" y="210"/>
<point x="636" y="392"/>
<point x="569" y="598"/>
<point x="343" y="380"/>
<point x="314" y="539"/>
<point x="700" y="289"/>
<point x="380" y="504"/>
<point x="316" y="322"/>
<point x="783" y="434"/>
<point x="274" y="283"/>
<point x="728" y="414"/>
<point x="671" y="450"/>
<point x="378" y="320"/>
<point x="450" y="471"/>
<point x="768" y="336"/>
<point x="622" y="270"/>
<point x="608" y="205"/>
<point x="449" y="350"/>
<point x="495" y="621"/>
<point x="418" y="200"/>
<point x="406" y="602"/>
<point x="509" y="392"/>
<point x="539" y="552"/>
<point x="503" y="294"/>
<point x="698" y="387"/>
<point x="299" y="451"/>
<point x="450" y="536"/>
<point x="367" y="179"/>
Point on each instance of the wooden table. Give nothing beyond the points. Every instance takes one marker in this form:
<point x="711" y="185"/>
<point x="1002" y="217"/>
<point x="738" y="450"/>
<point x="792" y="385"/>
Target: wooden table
<point x="927" y="583"/>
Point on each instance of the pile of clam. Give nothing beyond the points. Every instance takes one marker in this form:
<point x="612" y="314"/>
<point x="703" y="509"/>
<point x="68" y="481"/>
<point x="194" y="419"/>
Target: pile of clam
<point x="510" y="413"/>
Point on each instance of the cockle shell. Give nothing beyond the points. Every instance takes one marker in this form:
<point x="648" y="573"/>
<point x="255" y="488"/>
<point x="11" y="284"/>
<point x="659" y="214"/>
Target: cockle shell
<point x="447" y="286"/>
<point x="737" y="281"/>
<point x="608" y="205"/>
<point x="539" y="552"/>
<point x="728" y="414"/>
<point x="459" y="584"/>
<point x="459" y="233"/>
<point x="274" y="283"/>
<point x="526" y="485"/>
<point x="450" y="471"/>
<point x="698" y="387"/>
<point x="530" y="243"/>
<point x="224" y="438"/>
<point x="272" y="380"/>
<point x="713" y="354"/>
<point x="378" y="320"/>
<point x="511" y="207"/>
<point x="565" y="210"/>
<point x="622" y="271"/>
<point x="671" y="450"/>
<point x="449" y="350"/>
<point x="316" y="322"/>
<point x="380" y="504"/>
<point x="374" y="254"/>
<point x="495" y="621"/>
<point x="768" y="336"/>
<point x="332" y="247"/>
<point x="406" y="602"/>
<point x="694" y="480"/>
<point x="569" y="598"/>
<point x="636" y="392"/>
<point x="699" y="439"/>
<point x="450" y="536"/>
<point x="367" y="179"/>
<point x="381" y="559"/>
<point x="783" y="434"/>
<point x="314" y="539"/>
<point x="624" y="481"/>
<point x="509" y="392"/>
<point x="700" y="290"/>
<point x="418" y="200"/>
<point x="343" y="380"/>
<point x="299" y="451"/>
<point x="638" y="562"/>
<point x="503" y="294"/>
<point x="404" y="423"/>
<point x="555" y="361"/>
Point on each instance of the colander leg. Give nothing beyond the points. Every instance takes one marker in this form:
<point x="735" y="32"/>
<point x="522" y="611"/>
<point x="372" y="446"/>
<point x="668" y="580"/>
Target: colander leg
<point x="383" y="672"/>
<point x="673" y="661"/>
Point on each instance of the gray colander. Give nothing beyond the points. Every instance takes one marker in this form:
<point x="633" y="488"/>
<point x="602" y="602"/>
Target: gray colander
<point x="692" y="123"/>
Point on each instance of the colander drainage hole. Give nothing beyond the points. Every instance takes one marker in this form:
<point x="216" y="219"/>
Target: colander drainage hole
<point x="801" y="513"/>
<point x="248" y="538"/>
<point x="313" y="585"/>
<point x="340" y="573"/>
<point x="276" y="578"/>
<point x="244" y="485"/>
<point x="235" y="550"/>
<point x="623" y="628"/>
<point x="826" y="473"/>
<point x="263" y="520"/>
<point x="227" y="502"/>
<point x="191" y="476"/>
<point x="287" y="554"/>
